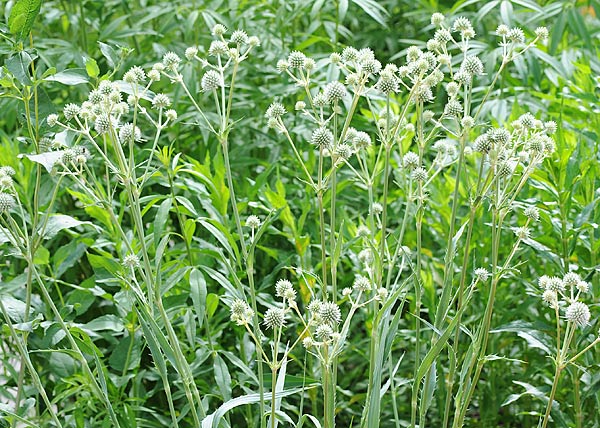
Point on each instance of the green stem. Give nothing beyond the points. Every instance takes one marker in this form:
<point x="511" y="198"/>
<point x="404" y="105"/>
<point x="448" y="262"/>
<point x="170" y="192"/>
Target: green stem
<point x="552" y="395"/>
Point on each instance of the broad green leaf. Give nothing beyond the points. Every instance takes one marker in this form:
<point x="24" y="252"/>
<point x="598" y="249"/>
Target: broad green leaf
<point x="109" y="53"/>
<point x="18" y="64"/>
<point x="22" y="16"/>
<point x="59" y="222"/>
<point x="46" y="159"/>
<point x="92" y="68"/>
<point x="41" y="256"/>
<point x="70" y="77"/>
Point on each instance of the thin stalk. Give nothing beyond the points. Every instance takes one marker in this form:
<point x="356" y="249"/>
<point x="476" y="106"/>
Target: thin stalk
<point x="25" y="358"/>
<point x="232" y="198"/>
<point x="256" y="326"/>
<point x="321" y="208"/>
<point x="557" y="373"/>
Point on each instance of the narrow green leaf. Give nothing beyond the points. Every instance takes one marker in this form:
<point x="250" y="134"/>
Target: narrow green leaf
<point x="198" y="293"/>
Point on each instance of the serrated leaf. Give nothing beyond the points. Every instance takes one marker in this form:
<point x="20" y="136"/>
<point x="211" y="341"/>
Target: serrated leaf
<point x="22" y="16"/>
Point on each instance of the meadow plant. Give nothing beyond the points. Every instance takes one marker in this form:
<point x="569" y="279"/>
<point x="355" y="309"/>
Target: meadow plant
<point x="402" y="139"/>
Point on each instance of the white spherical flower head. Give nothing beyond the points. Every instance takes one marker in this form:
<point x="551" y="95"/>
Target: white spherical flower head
<point x="419" y="175"/>
<point x="191" y="52"/>
<point x="217" y="47"/>
<point x="453" y="108"/>
<point x="310" y="64"/>
<point x="437" y="19"/>
<point x="211" y="81"/>
<point x="349" y="54"/>
<point x="377" y="208"/>
<point x="129" y="132"/>
<point x="330" y="313"/>
<point x="131" y="261"/>
<point x="532" y="213"/>
<point x="361" y="140"/>
<point x="578" y="313"/>
<point x="522" y="232"/>
<point x="71" y="110"/>
<point x="516" y="35"/>
<point x="502" y="30"/>
<point x="218" y="30"/>
<point x="410" y="161"/>
<point x="296" y="59"/>
<point x="550" y="127"/>
<point x="241" y="313"/>
<point x="366" y="256"/>
<point x="52" y="119"/>
<point x="461" y="24"/>
<point x="171" y="61"/>
<point x="334" y="91"/>
<point x="308" y="342"/>
<point x="322" y="137"/>
<point x="274" y="318"/>
<point x="102" y="124"/>
<point x="482" y="274"/>
<point x="239" y="37"/>
<point x="362" y="283"/>
<point x="555" y="284"/>
<point x="583" y="286"/>
<point x="171" y="115"/>
<point x="544" y="281"/>
<point x="363" y="231"/>
<point x="324" y="332"/>
<point x="550" y="297"/>
<point x="571" y="279"/>
<point x="283" y="288"/>
<point x="542" y="33"/>
<point x="7" y="171"/>
<point x="6" y="181"/>
<point x="161" y="101"/>
<point x="134" y="75"/>
<point x="275" y="110"/>
<point x="253" y="222"/>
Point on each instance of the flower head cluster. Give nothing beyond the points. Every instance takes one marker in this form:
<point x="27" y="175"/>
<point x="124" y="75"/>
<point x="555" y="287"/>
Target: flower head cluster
<point x="324" y="319"/>
<point x="241" y="313"/>
<point x="6" y="180"/>
<point x="564" y="294"/>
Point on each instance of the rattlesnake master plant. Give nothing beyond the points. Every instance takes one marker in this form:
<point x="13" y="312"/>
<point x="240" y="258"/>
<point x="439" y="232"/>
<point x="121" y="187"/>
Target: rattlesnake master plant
<point x="398" y="137"/>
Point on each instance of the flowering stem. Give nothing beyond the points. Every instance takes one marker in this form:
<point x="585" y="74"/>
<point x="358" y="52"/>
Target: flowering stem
<point x="22" y="347"/>
<point x="552" y="394"/>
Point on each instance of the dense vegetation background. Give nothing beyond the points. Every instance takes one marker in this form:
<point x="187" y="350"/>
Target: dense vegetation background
<point x="78" y="260"/>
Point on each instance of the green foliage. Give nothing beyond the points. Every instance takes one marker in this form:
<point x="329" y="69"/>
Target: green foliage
<point x="135" y="286"/>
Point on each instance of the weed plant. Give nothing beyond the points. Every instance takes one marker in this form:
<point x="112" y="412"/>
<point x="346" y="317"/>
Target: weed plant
<point x="351" y="276"/>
